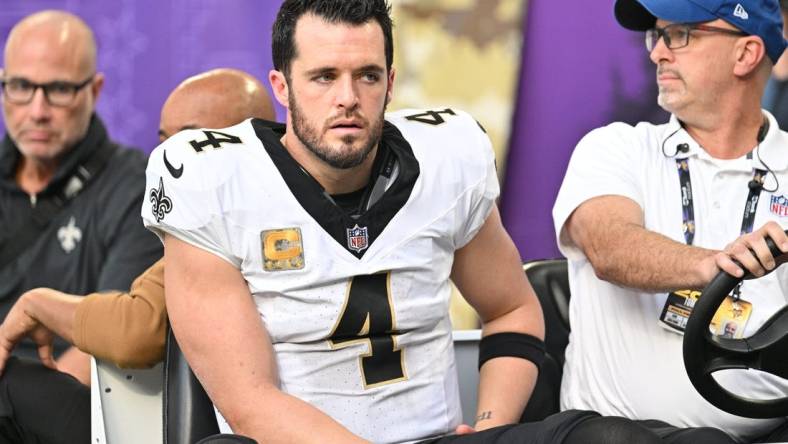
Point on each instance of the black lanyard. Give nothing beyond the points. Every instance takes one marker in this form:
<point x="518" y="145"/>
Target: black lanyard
<point x="687" y="208"/>
<point x="688" y="212"/>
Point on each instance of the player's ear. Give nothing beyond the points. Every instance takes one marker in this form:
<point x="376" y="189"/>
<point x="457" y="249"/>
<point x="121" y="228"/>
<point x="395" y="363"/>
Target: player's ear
<point x="279" y="86"/>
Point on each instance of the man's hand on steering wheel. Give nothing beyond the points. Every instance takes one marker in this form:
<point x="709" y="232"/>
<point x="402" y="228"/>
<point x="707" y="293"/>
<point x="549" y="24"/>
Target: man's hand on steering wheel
<point x="750" y="250"/>
<point x="704" y="353"/>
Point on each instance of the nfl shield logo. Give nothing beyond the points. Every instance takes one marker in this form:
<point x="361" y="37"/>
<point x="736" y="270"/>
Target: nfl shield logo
<point x="779" y="205"/>
<point x="357" y="239"/>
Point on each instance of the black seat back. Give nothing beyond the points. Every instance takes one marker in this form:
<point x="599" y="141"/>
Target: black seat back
<point x="545" y="399"/>
<point x="551" y="284"/>
<point x="188" y="412"/>
<point x="550" y="281"/>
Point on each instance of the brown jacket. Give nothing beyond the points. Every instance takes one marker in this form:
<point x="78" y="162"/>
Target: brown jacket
<point x="125" y="328"/>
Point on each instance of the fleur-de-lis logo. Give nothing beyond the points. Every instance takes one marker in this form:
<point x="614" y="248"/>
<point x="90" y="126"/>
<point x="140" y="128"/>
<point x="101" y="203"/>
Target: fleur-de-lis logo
<point x="69" y="235"/>
<point x="161" y="203"/>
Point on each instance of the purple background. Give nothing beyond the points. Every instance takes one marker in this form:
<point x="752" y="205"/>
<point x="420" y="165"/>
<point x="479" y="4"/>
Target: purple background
<point x="147" y="47"/>
<point x="579" y="71"/>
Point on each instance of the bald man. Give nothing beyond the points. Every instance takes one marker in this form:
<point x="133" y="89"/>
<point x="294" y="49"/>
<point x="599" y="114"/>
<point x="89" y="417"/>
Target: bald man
<point x="69" y="196"/>
<point x="193" y="104"/>
<point x="125" y="328"/>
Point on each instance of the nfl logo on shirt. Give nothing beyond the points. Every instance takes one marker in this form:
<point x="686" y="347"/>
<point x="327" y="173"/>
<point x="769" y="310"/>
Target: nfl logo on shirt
<point x="779" y="205"/>
<point x="357" y="239"/>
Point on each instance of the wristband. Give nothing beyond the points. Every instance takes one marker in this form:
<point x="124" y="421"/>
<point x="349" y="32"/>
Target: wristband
<point x="518" y="345"/>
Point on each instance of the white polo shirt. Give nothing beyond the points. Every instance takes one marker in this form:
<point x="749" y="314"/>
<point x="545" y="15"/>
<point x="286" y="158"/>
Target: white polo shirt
<point x="620" y="361"/>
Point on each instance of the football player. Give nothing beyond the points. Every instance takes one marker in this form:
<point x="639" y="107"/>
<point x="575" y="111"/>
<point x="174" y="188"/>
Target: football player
<point x="308" y="264"/>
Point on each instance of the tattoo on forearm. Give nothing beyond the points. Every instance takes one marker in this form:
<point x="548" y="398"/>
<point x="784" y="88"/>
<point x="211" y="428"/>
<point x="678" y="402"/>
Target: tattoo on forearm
<point x="484" y="415"/>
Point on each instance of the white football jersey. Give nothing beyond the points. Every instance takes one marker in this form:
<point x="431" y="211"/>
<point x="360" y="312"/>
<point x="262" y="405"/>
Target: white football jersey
<point x="357" y="309"/>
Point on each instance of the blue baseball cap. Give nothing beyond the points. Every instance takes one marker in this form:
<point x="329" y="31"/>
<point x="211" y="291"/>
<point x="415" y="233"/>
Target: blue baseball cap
<point x="755" y="17"/>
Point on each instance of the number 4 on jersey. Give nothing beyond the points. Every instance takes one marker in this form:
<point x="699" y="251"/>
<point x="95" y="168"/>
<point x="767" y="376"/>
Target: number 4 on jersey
<point x="368" y="317"/>
<point x="214" y="139"/>
<point x="431" y="117"/>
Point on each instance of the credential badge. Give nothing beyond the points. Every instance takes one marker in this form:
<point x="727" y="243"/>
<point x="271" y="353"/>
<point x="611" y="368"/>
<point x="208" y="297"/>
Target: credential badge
<point x="282" y="249"/>
<point x="161" y="204"/>
<point x="357" y="239"/>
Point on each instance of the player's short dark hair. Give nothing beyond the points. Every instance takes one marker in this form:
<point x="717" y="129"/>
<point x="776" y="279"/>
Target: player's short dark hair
<point x="354" y="12"/>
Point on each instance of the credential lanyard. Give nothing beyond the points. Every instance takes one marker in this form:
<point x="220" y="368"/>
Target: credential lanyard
<point x="688" y="212"/>
<point x="687" y="207"/>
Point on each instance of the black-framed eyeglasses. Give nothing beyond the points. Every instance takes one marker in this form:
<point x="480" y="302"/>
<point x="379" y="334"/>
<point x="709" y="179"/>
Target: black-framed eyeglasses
<point x="677" y="35"/>
<point x="20" y="91"/>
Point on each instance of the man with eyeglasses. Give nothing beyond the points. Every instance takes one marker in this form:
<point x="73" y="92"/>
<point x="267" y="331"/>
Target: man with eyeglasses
<point x="647" y="215"/>
<point x="38" y="404"/>
<point x="69" y="196"/>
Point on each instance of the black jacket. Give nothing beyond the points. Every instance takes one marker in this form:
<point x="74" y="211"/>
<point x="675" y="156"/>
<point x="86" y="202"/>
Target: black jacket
<point x="95" y="242"/>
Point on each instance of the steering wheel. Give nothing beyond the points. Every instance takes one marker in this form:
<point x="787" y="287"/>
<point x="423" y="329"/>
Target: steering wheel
<point x="705" y="353"/>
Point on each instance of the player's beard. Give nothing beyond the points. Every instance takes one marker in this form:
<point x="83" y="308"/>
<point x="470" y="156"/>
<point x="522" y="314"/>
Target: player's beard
<point x="343" y="157"/>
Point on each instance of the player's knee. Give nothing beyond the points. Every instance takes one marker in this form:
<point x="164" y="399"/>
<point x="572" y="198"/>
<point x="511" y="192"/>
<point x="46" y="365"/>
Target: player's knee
<point x="707" y="435"/>
<point x="225" y="438"/>
<point x="611" y="430"/>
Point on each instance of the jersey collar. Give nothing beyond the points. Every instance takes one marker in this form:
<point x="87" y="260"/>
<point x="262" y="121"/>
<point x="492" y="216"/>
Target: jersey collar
<point x="333" y="219"/>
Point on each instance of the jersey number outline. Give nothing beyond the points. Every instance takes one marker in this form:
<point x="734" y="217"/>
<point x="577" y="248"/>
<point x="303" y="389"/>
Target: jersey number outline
<point x="214" y="139"/>
<point x="431" y="117"/>
<point x="367" y="317"/>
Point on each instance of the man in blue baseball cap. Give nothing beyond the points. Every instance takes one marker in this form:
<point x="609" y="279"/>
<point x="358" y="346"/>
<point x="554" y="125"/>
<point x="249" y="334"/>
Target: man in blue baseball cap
<point x="648" y="215"/>
<point x="760" y="18"/>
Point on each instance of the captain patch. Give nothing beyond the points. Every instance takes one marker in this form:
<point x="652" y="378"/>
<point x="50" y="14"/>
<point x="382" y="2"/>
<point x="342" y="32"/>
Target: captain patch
<point x="282" y="249"/>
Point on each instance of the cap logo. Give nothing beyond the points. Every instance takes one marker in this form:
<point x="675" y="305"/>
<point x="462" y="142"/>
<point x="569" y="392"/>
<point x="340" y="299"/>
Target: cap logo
<point x="740" y="12"/>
